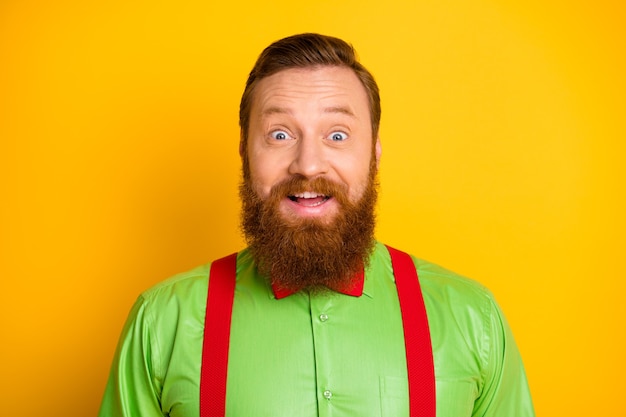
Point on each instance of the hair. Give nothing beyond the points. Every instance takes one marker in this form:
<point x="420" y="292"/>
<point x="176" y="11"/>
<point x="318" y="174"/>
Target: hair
<point x="307" y="50"/>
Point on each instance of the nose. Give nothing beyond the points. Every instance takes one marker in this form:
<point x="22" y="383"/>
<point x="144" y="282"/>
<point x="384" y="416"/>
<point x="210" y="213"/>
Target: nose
<point x="309" y="158"/>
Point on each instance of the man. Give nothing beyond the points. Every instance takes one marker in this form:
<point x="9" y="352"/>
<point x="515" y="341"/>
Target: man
<point x="317" y="325"/>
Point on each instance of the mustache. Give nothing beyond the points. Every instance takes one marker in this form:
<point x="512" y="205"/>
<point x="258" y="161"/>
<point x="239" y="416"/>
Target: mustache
<point x="299" y="184"/>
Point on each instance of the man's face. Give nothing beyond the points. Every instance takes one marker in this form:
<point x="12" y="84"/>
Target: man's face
<point x="310" y="124"/>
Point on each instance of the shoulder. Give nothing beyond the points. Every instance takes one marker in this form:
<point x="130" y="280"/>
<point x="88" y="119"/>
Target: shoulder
<point x="180" y="296"/>
<point x="461" y="313"/>
<point x="179" y="285"/>
<point x="441" y="283"/>
<point x="172" y="310"/>
<point x="188" y="287"/>
<point x="453" y="298"/>
<point x="444" y="284"/>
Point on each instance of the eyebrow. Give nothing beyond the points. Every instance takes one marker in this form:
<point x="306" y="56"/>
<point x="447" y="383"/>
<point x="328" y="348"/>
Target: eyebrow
<point x="335" y="109"/>
<point x="340" y="109"/>
<point x="275" y="110"/>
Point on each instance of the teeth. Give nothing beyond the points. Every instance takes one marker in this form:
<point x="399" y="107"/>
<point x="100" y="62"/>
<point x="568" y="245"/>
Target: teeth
<point x="308" y="194"/>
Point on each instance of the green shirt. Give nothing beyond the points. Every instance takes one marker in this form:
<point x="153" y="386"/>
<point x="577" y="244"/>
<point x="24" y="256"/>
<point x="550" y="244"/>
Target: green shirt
<point x="320" y="355"/>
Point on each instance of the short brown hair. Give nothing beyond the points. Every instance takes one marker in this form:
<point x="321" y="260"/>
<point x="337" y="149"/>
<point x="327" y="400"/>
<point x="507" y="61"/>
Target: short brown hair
<point x="308" y="50"/>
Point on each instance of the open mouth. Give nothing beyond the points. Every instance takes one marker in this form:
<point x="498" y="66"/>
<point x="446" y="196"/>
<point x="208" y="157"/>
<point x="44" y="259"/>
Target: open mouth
<point x="309" y="199"/>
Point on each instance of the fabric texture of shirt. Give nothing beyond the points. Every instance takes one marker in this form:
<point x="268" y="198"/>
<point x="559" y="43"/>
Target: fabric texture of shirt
<point x="325" y="354"/>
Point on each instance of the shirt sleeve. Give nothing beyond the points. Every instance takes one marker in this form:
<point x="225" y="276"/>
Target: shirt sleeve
<point x="505" y="390"/>
<point x="133" y="388"/>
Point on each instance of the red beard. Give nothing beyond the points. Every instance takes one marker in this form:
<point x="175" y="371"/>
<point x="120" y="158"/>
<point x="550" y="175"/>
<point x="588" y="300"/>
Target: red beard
<point x="309" y="254"/>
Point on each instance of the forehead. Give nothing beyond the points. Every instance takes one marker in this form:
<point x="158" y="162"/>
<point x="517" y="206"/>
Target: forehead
<point x="311" y="88"/>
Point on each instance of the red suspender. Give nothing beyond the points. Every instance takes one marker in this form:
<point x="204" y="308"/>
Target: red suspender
<point x="419" y="350"/>
<point x="219" y="309"/>
<point x="419" y="355"/>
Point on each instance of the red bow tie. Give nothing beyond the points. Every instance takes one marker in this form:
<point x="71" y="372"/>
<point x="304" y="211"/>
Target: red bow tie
<point x="354" y="288"/>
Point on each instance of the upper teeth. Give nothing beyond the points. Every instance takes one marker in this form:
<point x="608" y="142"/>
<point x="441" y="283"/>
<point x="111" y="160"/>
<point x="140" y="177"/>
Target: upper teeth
<point x="308" y="194"/>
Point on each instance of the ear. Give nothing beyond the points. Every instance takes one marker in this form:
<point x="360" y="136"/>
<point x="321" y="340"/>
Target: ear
<point x="378" y="151"/>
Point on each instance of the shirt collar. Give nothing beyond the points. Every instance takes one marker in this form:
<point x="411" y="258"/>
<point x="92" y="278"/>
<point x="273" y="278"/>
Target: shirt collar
<point x="354" y="289"/>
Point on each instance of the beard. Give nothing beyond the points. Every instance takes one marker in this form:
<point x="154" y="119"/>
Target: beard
<point x="307" y="253"/>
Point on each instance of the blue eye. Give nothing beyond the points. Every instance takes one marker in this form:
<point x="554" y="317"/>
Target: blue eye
<point x="338" y="136"/>
<point x="280" y="135"/>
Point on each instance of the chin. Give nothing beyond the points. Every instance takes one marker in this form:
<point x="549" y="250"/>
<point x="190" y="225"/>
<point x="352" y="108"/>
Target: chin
<point x="293" y="219"/>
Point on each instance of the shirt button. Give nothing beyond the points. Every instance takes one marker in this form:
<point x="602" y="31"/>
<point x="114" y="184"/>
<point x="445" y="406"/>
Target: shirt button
<point x="328" y="395"/>
<point x="324" y="317"/>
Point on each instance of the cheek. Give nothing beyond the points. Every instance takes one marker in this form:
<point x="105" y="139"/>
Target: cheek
<point x="261" y="171"/>
<point x="358" y="179"/>
<point x="260" y="186"/>
<point x="262" y="178"/>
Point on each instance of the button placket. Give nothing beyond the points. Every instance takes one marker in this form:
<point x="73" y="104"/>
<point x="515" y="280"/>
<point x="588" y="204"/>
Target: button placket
<point x="321" y="317"/>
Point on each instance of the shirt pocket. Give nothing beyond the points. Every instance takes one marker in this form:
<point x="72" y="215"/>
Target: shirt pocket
<point x="455" y="398"/>
<point x="394" y="396"/>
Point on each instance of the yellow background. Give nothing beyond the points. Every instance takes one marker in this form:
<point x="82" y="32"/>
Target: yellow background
<point x="503" y="159"/>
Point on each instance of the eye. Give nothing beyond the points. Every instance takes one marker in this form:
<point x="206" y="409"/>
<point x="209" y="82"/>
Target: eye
<point x="338" y="136"/>
<point x="279" y="135"/>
